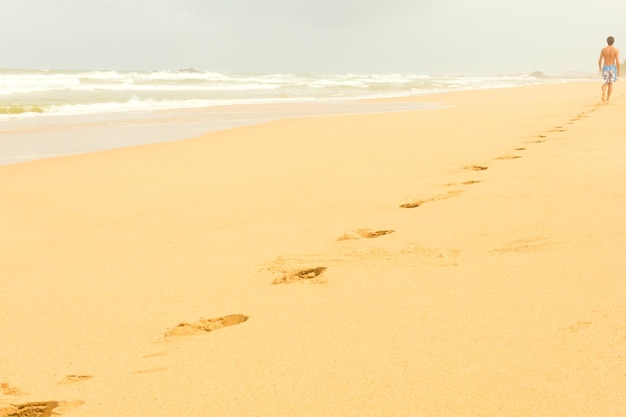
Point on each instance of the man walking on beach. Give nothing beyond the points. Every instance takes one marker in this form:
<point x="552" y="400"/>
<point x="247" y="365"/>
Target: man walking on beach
<point x="609" y="68"/>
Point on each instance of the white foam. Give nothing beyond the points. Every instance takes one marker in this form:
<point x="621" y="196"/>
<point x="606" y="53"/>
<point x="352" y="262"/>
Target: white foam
<point x="84" y="92"/>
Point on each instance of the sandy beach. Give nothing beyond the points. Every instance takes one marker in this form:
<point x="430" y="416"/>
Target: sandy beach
<point x="460" y="261"/>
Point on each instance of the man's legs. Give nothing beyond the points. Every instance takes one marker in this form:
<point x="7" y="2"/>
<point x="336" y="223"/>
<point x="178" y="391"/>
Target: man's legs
<point x="608" y="75"/>
<point x="607" y="89"/>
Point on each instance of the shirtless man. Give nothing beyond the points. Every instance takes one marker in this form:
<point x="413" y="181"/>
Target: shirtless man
<point x="609" y="68"/>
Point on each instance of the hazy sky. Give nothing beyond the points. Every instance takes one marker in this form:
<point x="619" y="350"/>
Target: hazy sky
<point x="363" y="36"/>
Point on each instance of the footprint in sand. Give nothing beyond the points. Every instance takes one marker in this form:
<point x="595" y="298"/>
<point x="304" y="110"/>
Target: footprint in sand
<point x="505" y="157"/>
<point x="526" y="245"/>
<point x="579" y="117"/>
<point x="475" y="168"/>
<point x="71" y="379"/>
<point x="433" y="256"/>
<point x="455" y="184"/>
<point x="34" y="409"/>
<point x="151" y="370"/>
<point x="439" y="197"/>
<point x="299" y="275"/>
<point x="206" y="325"/>
<point x="520" y="149"/>
<point x="540" y="140"/>
<point x="10" y="391"/>
<point x="38" y="409"/>
<point x="557" y="129"/>
<point x="365" y="234"/>
<point x="578" y="326"/>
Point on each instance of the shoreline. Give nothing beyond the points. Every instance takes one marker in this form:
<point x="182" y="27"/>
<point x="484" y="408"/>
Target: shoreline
<point x="53" y="136"/>
<point x="462" y="260"/>
<point x="24" y="140"/>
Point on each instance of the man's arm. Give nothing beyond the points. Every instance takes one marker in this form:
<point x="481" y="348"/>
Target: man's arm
<point x="617" y="64"/>
<point x="600" y="60"/>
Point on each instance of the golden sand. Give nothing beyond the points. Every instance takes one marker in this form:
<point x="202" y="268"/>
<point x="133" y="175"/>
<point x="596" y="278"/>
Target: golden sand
<point x="461" y="261"/>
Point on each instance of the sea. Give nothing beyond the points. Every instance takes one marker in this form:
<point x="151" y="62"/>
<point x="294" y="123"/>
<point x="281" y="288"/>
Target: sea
<point x="110" y="109"/>
<point x="35" y="93"/>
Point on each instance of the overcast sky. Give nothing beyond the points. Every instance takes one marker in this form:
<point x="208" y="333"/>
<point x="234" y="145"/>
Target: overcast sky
<point x="438" y="37"/>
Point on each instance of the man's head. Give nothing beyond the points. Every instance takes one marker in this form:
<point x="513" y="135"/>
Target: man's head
<point x="610" y="40"/>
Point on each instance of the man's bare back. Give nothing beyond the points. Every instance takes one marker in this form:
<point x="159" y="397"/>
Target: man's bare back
<point x="609" y="56"/>
<point x="609" y="67"/>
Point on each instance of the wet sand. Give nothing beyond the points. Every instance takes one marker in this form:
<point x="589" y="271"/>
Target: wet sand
<point x="29" y="139"/>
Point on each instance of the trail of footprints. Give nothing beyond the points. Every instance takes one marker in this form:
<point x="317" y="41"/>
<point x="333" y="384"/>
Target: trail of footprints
<point x="203" y="326"/>
<point x="314" y="273"/>
<point x="560" y="129"/>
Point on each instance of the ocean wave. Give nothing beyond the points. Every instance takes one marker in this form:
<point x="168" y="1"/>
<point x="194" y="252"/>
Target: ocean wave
<point x="133" y="105"/>
<point x="179" y="76"/>
<point x="28" y="93"/>
<point x="14" y="110"/>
